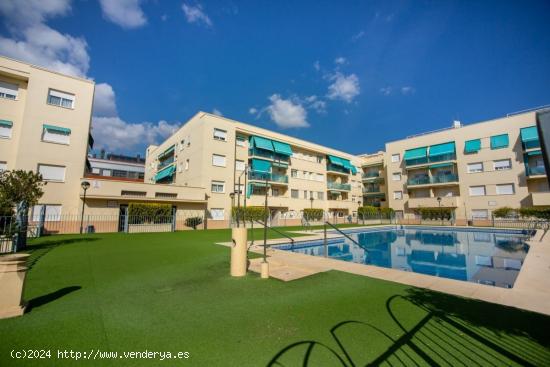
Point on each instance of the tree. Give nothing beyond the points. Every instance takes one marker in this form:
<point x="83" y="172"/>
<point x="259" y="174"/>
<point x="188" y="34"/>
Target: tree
<point x="19" y="186"/>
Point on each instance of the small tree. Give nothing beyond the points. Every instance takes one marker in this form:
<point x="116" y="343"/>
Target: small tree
<point x="193" y="222"/>
<point x="312" y="214"/>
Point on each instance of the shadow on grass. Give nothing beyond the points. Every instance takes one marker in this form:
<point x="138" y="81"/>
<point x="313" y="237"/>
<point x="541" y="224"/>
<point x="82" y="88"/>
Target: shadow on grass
<point x="430" y="328"/>
<point x="50" y="297"/>
<point x="39" y="250"/>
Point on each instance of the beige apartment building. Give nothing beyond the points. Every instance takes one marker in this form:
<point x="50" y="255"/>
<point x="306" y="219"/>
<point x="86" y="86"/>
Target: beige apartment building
<point x="44" y="127"/>
<point x="473" y="169"/>
<point x="215" y="152"/>
<point x="373" y="174"/>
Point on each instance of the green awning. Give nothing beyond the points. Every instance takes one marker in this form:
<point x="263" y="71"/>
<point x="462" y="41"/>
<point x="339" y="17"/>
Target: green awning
<point x="261" y="143"/>
<point x="335" y="192"/>
<point x="167" y="152"/>
<point x="61" y="130"/>
<point x="534" y="152"/>
<point x="282" y="148"/>
<point x="499" y="141"/>
<point x="441" y="149"/>
<point x="472" y="146"/>
<point x="416" y="153"/>
<point x="259" y="165"/>
<point x="529" y="134"/>
<point x="441" y="165"/>
<point x="6" y="123"/>
<point x="164" y="173"/>
<point x="353" y="169"/>
<point x="280" y="164"/>
<point x="335" y="160"/>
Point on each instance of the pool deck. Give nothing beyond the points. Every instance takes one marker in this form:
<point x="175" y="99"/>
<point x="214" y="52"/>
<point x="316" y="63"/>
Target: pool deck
<point x="531" y="290"/>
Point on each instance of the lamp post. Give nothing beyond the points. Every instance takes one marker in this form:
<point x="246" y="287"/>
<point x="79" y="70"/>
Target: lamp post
<point x="311" y="201"/>
<point x="440" y="213"/>
<point x="85" y="186"/>
<point x="206" y="197"/>
<point x="359" y="207"/>
<point x="265" y="266"/>
<point x="232" y="196"/>
<point x="239" y="194"/>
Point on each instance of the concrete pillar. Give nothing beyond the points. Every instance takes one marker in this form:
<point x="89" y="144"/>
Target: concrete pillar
<point x="238" y="252"/>
<point x="12" y="280"/>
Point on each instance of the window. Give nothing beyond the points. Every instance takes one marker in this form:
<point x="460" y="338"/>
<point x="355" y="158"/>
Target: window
<point x="484" y="260"/>
<point x="319" y="159"/>
<point x="218" y="186"/>
<point x="275" y="191"/>
<point x="505" y="189"/>
<point x="51" y="173"/>
<point x="239" y="165"/>
<point x="502" y="164"/>
<point x="187" y="164"/>
<point x="398" y="195"/>
<point x="295" y="194"/>
<point x="218" y="160"/>
<point x="475" y="167"/>
<point x="294" y="173"/>
<point x="60" y="99"/>
<point x="239" y="189"/>
<point x="320" y="177"/>
<point x="217" y="213"/>
<point x="166" y="195"/>
<point x="395" y="158"/>
<point x="8" y="90"/>
<point x="3" y="166"/>
<point x="54" y="134"/>
<point x="180" y="167"/>
<point x="396" y="176"/>
<point x="306" y="175"/>
<point x="220" y="134"/>
<point x="241" y="141"/>
<point x="477" y="190"/>
<point x="5" y="129"/>
<point x="480" y="214"/>
<point x="305" y="194"/>
<point x="52" y="212"/>
<point x="320" y="195"/>
<point x="499" y="141"/>
<point x="182" y="144"/>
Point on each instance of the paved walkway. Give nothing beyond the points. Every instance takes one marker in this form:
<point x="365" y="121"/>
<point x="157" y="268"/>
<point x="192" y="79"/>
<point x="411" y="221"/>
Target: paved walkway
<point x="531" y="290"/>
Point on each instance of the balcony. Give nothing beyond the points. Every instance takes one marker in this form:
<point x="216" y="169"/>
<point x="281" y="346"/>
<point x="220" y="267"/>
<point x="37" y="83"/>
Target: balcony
<point x="372" y="189"/>
<point x="441" y="179"/>
<point x="338" y="186"/>
<point x="535" y="170"/>
<point x="430" y="160"/>
<point x="540" y="198"/>
<point x="271" y="177"/>
<point x="255" y="152"/>
<point x="165" y="163"/>
<point x="431" y="202"/>
<point x="331" y="168"/>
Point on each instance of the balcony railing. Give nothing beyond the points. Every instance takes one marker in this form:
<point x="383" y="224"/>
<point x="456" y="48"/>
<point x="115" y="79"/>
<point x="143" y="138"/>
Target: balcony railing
<point x="334" y="168"/>
<point x="372" y="174"/>
<point x="165" y="163"/>
<point x="254" y="152"/>
<point x="371" y="189"/>
<point x="531" y="144"/>
<point x="427" y="160"/>
<point x="432" y="180"/>
<point x="338" y="186"/>
<point x="535" y="170"/>
<point x="271" y="177"/>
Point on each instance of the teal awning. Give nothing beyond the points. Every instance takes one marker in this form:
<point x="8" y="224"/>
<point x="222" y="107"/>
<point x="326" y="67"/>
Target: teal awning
<point x="353" y="169"/>
<point x="335" y="192"/>
<point x="529" y="134"/>
<point x="166" y="172"/>
<point x="6" y="123"/>
<point x="261" y="143"/>
<point x="441" y="165"/>
<point x="472" y="146"/>
<point x="259" y="165"/>
<point x="441" y="149"/>
<point x="282" y="148"/>
<point x="335" y="160"/>
<point x="499" y="141"/>
<point x="61" y="130"/>
<point x="534" y="152"/>
<point x="415" y="153"/>
<point x="167" y="152"/>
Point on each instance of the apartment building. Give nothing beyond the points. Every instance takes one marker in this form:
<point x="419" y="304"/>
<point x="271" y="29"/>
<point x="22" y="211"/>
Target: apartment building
<point x="373" y="174"/>
<point x="116" y="166"/>
<point x="215" y="152"/>
<point x="472" y="169"/>
<point x="44" y="127"/>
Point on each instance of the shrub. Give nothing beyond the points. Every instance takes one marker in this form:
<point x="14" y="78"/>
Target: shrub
<point x="193" y="222"/>
<point x="149" y="213"/>
<point x="251" y="213"/>
<point x="387" y="212"/>
<point x="313" y="214"/>
<point x="503" y="212"/>
<point x="435" y="213"/>
<point x="539" y="213"/>
<point x="367" y="211"/>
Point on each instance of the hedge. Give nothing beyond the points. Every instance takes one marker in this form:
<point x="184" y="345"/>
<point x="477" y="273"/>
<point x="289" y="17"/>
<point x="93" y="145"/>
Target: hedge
<point x="368" y="211"/>
<point x="149" y="213"/>
<point x="526" y="213"/>
<point x="504" y="212"/>
<point x="436" y="213"/>
<point x="252" y="213"/>
<point x="313" y="214"/>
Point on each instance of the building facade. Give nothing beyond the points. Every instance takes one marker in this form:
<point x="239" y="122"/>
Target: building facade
<point x="116" y="166"/>
<point x="471" y="169"/>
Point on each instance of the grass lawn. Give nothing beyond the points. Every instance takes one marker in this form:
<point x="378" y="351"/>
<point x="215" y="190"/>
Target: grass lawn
<point x="172" y="292"/>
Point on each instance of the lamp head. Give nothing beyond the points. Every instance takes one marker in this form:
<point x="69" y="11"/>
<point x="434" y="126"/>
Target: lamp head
<point x="85" y="185"/>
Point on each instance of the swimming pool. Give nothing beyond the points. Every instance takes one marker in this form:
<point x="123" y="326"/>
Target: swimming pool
<point x="486" y="256"/>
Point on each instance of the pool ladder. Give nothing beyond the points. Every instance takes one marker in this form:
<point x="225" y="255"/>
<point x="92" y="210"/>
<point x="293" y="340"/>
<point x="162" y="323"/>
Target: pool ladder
<point x="325" y="243"/>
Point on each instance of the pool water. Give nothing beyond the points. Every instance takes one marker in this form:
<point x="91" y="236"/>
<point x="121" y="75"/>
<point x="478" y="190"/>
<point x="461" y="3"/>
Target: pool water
<point x="492" y="257"/>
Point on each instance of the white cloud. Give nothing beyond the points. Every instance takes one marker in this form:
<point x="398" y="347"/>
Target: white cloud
<point x="287" y="113"/>
<point x="340" y="60"/>
<point x="125" y="13"/>
<point x="386" y="90"/>
<point x="358" y="36"/>
<point x="407" y="90"/>
<point x="195" y="14"/>
<point x="343" y="87"/>
<point x="252" y="111"/>
<point x="317" y="65"/>
<point x="104" y="101"/>
<point x="313" y="102"/>
<point x="35" y="42"/>
<point x="115" y="134"/>
<point x="217" y="112"/>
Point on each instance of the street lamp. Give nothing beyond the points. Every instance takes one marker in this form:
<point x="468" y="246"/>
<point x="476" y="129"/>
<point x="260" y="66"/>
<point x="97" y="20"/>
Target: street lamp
<point x="232" y="196"/>
<point x="359" y="207"/>
<point x="239" y="194"/>
<point x="311" y="201"/>
<point x="206" y="197"/>
<point x="85" y="186"/>
<point x="440" y="213"/>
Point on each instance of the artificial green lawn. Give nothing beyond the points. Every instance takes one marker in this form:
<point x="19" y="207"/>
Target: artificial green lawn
<point x="172" y="292"/>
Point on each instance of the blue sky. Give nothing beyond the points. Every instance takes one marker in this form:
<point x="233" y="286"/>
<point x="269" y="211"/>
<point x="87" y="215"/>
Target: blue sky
<point x="350" y="75"/>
